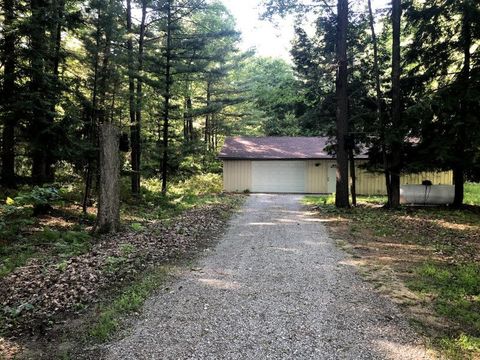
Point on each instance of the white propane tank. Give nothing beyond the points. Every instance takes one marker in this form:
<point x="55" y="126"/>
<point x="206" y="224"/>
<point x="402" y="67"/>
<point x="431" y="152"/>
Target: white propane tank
<point x="427" y="194"/>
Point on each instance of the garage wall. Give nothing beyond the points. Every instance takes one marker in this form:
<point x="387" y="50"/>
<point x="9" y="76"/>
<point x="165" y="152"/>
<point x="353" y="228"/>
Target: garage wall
<point x="374" y="183"/>
<point x="316" y="181"/>
<point x="437" y="178"/>
<point x="237" y="175"/>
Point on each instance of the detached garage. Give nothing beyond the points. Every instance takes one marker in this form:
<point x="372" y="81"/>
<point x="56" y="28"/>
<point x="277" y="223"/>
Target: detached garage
<point x="297" y="165"/>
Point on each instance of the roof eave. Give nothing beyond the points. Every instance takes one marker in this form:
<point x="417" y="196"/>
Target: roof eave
<point x="285" y="158"/>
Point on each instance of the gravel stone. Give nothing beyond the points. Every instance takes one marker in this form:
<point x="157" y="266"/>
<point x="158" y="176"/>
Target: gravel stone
<point x="275" y="287"/>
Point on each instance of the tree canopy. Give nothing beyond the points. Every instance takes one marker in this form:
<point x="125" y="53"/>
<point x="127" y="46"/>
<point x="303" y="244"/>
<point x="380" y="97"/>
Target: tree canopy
<point x="170" y="74"/>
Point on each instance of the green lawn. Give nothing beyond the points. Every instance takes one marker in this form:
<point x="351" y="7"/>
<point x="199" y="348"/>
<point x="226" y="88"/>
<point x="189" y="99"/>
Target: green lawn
<point x="472" y="197"/>
<point x="434" y="252"/>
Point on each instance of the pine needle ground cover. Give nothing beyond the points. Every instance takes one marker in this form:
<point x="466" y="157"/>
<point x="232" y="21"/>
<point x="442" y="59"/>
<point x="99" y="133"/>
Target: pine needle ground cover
<point x="55" y="273"/>
<point x="426" y="259"/>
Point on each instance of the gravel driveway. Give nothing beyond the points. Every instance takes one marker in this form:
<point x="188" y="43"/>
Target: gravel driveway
<point x="275" y="287"/>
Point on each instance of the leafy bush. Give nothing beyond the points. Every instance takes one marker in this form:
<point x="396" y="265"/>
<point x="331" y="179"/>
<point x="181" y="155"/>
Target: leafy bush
<point x="199" y="185"/>
<point x="40" y="198"/>
<point x="190" y="165"/>
<point x="472" y="194"/>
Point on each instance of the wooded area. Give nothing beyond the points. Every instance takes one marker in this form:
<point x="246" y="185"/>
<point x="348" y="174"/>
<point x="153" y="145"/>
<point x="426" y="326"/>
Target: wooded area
<point x="169" y="74"/>
<point x="113" y="111"/>
<point x="69" y="66"/>
<point x="412" y="90"/>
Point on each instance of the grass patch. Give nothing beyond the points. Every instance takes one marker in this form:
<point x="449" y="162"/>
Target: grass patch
<point x="472" y="194"/>
<point x="460" y="347"/>
<point x="434" y="252"/>
<point x="181" y="195"/>
<point x="455" y="289"/>
<point x="471" y="197"/>
<point x="130" y="300"/>
<point x="322" y="200"/>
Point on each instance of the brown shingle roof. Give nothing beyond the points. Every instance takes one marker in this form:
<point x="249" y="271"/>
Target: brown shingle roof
<point x="276" y="148"/>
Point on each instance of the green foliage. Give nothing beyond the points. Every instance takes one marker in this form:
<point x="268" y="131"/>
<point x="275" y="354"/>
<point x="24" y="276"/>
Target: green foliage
<point x="442" y="83"/>
<point x="127" y="249"/>
<point x="13" y="221"/>
<point x="13" y="257"/>
<point x="24" y="236"/>
<point x="14" y="312"/>
<point x="65" y="243"/>
<point x="274" y="98"/>
<point x="456" y="291"/>
<point x="41" y="199"/>
<point x="199" y="185"/>
<point x="320" y="200"/>
<point x="113" y="263"/>
<point x="62" y="244"/>
<point x="330" y="199"/>
<point x="136" y="227"/>
<point x="195" y="164"/>
<point x="38" y="196"/>
<point x="128" y="301"/>
<point x="181" y="195"/>
<point x="459" y="348"/>
<point x="472" y="194"/>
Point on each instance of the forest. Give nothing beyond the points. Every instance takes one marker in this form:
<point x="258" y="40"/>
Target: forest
<point x="172" y="78"/>
<point x="170" y="75"/>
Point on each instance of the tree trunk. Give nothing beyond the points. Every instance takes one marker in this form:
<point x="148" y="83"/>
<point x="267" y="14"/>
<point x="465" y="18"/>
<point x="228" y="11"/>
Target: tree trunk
<point x="168" y="81"/>
<point x="188" y="120"/>
<point x="215" y="135"/>
<point x="8" y="95"/>
<point x="108" y="217"/>
<point x="214" y="132"/>
<point x="341" y="196"/>
<point x="104" y="79"/>
<point x="39" y="123"/>
<point x="207" y="118"/>
<point x="378" y="101"/>
<point x="396" y="146"/>
<point x="353" y="176"/>
<point x="188" y="117"/>
<point x="461" y="138"/>
<point x="135" y="178"/>
<point x="136" y="138"/>
<point x="459" y="182"/>
<point x="93" y="116"/>
<point x="56" y="40"/>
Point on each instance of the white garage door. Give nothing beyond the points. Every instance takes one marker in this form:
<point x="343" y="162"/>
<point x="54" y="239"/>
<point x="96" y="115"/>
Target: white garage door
<point x="278" y="176"/>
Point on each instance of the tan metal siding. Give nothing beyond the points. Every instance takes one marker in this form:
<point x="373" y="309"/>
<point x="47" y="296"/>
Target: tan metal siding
<point x="369" y="183"/>
<point x="237" y="175"/>
<point x="316" y="176"/>
<point x="437" y="178"/>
